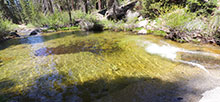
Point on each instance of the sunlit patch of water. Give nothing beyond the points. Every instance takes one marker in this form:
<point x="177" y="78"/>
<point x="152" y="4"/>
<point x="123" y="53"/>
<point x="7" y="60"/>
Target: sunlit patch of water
<point x="170" y="52"/>
<point x="211" y="95"/>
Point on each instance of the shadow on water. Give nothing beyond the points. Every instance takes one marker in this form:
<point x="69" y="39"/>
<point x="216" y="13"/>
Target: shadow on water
<point x="96" y="46"/>
<point x="34" y="39"/>
<point x="5" y="84"/>
<point x="1" y="63"/>
<point x="57" y="88"/>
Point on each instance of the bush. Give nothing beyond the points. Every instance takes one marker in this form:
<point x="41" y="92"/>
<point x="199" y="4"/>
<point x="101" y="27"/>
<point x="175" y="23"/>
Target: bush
<point x="82" y="15"/>
<point x="202" y="7"/>
<point x="153" y="8"/>
<point x="53" y="20"/>
<point x="176" y="19"/>
<point x="5" y="27"/>
<point x="214" y="24"/>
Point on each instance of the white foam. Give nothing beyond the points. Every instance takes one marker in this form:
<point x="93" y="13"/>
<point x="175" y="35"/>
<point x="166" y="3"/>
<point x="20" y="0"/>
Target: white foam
<point x="211" y="95"/>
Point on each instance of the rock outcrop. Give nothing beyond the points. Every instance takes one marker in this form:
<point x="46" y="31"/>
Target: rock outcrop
<point x="117" y="12"/>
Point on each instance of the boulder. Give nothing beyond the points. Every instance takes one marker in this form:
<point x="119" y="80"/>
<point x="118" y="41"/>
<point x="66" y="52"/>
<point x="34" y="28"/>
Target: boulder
<point x="99" y="16"/>
<point x="14" y="34"/>
<point x="131" y="16"/>
<point x="35" y="32"/>
<point x="142" y="23"/>
<point x="140" y="18"/>
<point x="90" y="26"/>
<point x="142" y="31"/>
<point x="117" y="12"/>
<point x="218" y="42"/>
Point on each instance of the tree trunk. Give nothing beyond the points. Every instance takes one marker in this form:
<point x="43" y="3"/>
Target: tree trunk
<point x="51" y="6"/>
<point x="86" y="6"/>
<point x="100" y="4"/>
<point x="111" y="3"/>
<point x="69" y="11"/>
<point x="218" y="5"/>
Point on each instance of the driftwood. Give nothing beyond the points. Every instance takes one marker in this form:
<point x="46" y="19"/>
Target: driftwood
<point x="117" y="12"/>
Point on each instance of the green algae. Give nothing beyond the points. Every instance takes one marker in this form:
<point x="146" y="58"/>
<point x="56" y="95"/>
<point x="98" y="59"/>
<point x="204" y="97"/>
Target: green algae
<point x="96" y="63"/>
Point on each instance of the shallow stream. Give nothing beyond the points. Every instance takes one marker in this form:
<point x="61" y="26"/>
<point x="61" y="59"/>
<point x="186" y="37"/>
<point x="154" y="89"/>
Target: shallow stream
<point x="74" y="66"/>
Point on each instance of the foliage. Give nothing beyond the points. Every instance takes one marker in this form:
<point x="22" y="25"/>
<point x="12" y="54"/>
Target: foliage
<point x="5" y="26"/>
<point x="176" y="19"/>
<point x="214" y="24"/>
<point x="82" y="15"/>
<point x="153" y="8"/>
<point x="118" y="26"/>
<point x="57" y="19"/>
<point x="202" y="7"/>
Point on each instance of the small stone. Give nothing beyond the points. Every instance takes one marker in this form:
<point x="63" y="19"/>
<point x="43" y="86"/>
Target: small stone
<point x="142" y="31"/>
<point x="179" y="98"/>
<point x="140" y="18"/>
<point x="142" y="23"/>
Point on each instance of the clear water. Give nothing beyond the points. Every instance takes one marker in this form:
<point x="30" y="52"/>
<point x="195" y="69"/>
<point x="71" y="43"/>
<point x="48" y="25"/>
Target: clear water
<point x="75" y="66"/>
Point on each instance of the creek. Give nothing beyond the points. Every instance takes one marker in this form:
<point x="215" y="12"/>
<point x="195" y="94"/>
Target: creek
<point x="75" y="66"/>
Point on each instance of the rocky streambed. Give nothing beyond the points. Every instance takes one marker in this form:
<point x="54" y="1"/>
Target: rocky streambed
<point x="75" y="66"/>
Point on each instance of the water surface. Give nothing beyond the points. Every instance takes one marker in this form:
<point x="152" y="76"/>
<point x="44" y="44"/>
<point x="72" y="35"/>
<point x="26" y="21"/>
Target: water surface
<point x="75" y="66"/>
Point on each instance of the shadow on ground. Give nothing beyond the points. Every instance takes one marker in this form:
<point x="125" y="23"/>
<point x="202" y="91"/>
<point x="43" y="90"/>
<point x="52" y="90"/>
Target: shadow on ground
<point x="58" y="88"/>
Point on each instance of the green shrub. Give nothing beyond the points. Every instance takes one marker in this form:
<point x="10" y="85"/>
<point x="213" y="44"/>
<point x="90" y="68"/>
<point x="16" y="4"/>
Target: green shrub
<point x="82" y="15"/>
<point x="214" y="24"/>
<point x="5" y="26"/>
<point x="176" y="19"/>
<point x="53" y="20"/>
<point x="202" y="7"/>
<point x="153" y="8"/>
